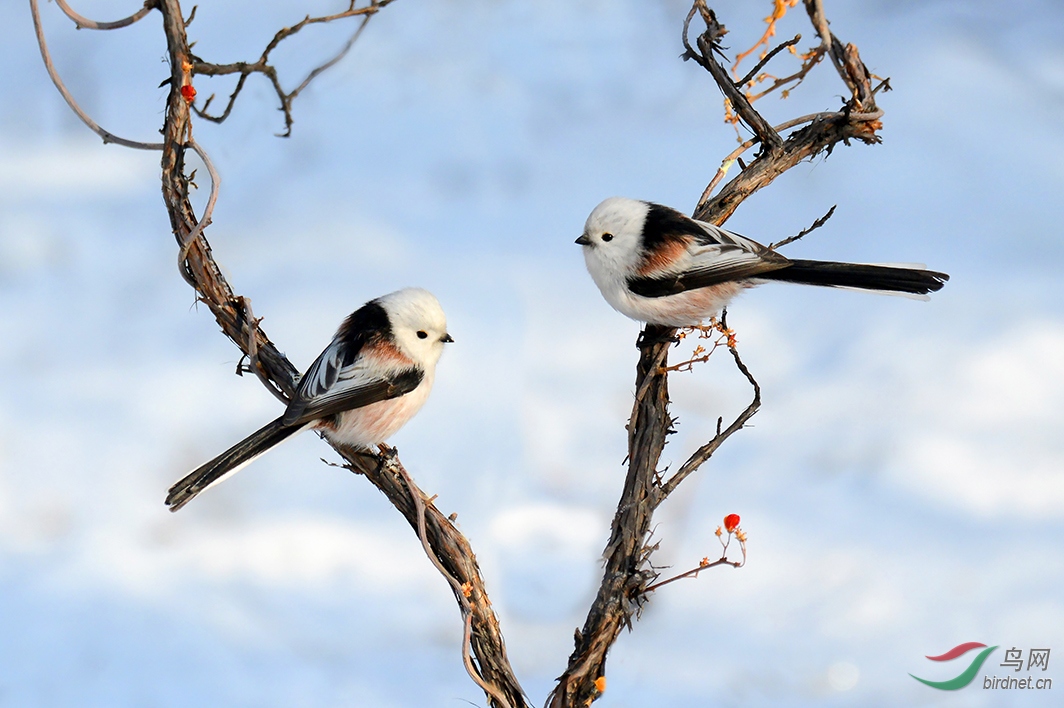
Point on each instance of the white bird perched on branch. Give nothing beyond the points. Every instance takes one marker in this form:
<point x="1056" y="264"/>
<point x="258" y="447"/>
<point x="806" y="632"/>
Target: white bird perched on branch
<point x="656" y="265"/>
<point x="372" y="378"/>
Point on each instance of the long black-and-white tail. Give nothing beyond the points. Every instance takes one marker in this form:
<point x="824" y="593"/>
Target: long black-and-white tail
<point x="229" y="462"/>
<point x="890" y="279"/>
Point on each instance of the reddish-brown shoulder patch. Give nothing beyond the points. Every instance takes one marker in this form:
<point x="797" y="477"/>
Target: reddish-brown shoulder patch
<point x="663" y="256"/>
<point x="386" y="353"/>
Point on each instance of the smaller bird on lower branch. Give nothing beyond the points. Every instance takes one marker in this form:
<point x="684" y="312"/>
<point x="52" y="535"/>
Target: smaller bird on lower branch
<point x="371" y="379"/>
<point x="656" y="265"/>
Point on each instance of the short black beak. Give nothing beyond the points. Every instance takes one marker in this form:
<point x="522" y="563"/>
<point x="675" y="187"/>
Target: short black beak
<point x="584" y="240"/>
<point x="447" y="339"/>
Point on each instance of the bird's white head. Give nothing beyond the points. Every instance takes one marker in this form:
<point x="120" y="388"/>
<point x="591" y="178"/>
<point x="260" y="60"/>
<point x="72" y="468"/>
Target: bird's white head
<point x="418" y="324"/>
<point x="613" y="239"/>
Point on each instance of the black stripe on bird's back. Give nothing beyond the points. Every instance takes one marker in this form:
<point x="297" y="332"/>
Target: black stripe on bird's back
<point x="365" y="325"/>
<point x="664" y="225"/>
<point x="865" y="277"/>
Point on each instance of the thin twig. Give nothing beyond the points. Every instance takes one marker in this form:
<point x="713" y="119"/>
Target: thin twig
<point x="449" y="549"/>
<point x="205" y="220"/>
<point x="779" y="10"/>
<point x="450" y="546"/>
<point x="86" y="23"/>
<point x="728" y="161"/>
<point x="766" y="59"/>
<point x="847" y="62"/>
<point x="723" y="560"/>
<point x="689" y="52"/>
<point x="699" y="456"/>
<point x="700" y="355"/>
<point x="821" y="135"/>
<point x="339" y="55"/>
<point x="107" y="136"/>
<point x="816" y="225"/>
<point x="708" y="43"/>
<point x="262" y="65"/>
<point x="815" y="10"/>
<point x="811" y="61"/>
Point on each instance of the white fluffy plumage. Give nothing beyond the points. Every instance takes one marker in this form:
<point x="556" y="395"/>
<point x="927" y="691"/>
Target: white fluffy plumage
<point x="656" y="265"/>
<point x="373" y="377"/>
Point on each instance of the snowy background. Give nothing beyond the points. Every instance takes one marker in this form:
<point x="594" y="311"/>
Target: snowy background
<point x="902" y="488"/>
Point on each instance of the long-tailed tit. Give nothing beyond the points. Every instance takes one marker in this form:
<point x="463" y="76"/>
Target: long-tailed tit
<point x="371" y="379"/>
<point x="656" y="265"/>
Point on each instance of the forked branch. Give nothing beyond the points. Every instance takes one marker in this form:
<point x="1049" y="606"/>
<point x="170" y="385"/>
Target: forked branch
<point x="702" y="454"/>
<point x="858" y="119"/>
<point x="263" y="66"/>
<point x="628" y="574"/>
<point x="709" y="44"/>
<point x="483" y="650"/>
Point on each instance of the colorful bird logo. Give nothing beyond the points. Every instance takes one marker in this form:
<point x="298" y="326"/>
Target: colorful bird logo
<point x="966" y="676"/>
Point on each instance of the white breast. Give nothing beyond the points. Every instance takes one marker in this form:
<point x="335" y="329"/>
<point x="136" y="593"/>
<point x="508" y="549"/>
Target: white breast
<point x="375" y="423"/>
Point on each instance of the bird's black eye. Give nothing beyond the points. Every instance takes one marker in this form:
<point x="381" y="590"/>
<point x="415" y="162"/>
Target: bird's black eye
<point x="422" y="334"/>
<point x="607" y="237"/>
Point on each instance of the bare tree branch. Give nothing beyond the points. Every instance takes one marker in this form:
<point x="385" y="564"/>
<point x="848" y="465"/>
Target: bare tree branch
<point x="86" y="23"/>
<point x="847" y="62"/>
<point x="484" y="651"/>
<point x="461" y="590"/>
<point x="208" y="211"/>
<point x="796" y="78"/>
<point x="766" y="59"/>
<point x="262" y="65"/>
<point x="339" y="55"/>
<point x="805" y="232"/>
<point x="727" y="163"/>
<point x="822" y="134"/>
<point x="625" y="575"/>
<point x="699" y="456"/>
<point x="706" y="564"/>
<point x="108" y="137"/>
<point x="859" y="120"/>
<point x="708" y="43"/>
<point x="628" y="574"/>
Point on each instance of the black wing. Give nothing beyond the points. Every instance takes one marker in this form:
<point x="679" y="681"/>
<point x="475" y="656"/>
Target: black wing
<point x="714" y="256"/>
<point x="342" y="378"/>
